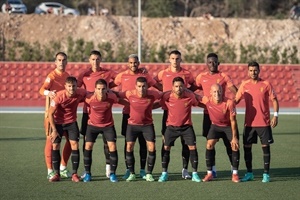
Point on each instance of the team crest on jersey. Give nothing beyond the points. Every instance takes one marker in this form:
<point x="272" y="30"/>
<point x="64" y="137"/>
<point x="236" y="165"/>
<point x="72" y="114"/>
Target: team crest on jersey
<point x="47" y="80"/>
<point x="261" y="89"/>
<point x="52" y="104"/>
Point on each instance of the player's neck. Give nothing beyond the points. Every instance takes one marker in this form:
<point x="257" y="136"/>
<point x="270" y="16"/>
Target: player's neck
<point x="58" y="71"/>
<point x="101" y="98"/>
<point x="175" y="69"/>
<point x="96" y="69"/>
<point x="212" y="73"/>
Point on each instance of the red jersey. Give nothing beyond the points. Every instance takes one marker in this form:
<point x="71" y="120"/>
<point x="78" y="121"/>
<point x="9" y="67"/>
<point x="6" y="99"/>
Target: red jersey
<point x="141" y="107"/>
<point x="88" y="78"/>
<point x="66" y="107"/>
<point x="205" y="80"/>
<point x="100" y="112"/>
<point x="220" y="113"/>
<point x="127" y="80"/>
<point x="257" y="96"/>
<point x="166" y="76"/>
<point x="179" y="109"/>
<point x="54" y="81"/>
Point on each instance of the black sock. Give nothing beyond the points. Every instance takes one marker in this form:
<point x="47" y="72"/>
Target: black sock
<point x="113" y="161"/>
<point x="143" y="151"/>
<point x="267" y="158"/>
<point x="210" y="157"/>
<point x="87" y="160"/>
<point x="75" y="161"/>
<point x="213" y="161"/>
<point x="235" y="159"/>
<point x="185" y="153"/>
<point x="130" y="161"/>
<point x="248" y="158"/>
<point x="125" y="147"/>
<point x="56" y="160"/>
<point x="151" y="161"/>
<point x="165" y="161"/>
<point x="106" y="153"/>
<point x="162" y="153"/>
<point x="194" y="159"/>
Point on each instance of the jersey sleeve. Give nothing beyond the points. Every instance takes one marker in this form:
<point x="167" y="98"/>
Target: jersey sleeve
<point x="228" y="80"/>
<point x="240" y="93"/>
<point x="231" y="107"/>
<point x="80" y="79"/>
<point x="272" y="94"/>
<point x="150" y="80"/>
<point x="118" y="78"/>
<point x="198" y="81"/>
<point x="46" y="85"/>
<point x="158" y="77"/>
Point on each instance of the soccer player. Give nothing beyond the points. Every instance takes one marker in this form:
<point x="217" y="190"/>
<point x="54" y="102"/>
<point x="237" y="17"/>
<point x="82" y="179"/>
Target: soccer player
<point x="127" y="80"/>
<point x="87" y="79"/>
<point x="165" y="77"/>
<point x="179" y="103"/>
<point x="140" y="122"/>
<point x="257" y="94"/>
<point x="222" y="113"/>
<point x="62" y="117"/>
<point x="204" y="81"/>
<point x="55" y="82"/>
<point x="99" y="106"/>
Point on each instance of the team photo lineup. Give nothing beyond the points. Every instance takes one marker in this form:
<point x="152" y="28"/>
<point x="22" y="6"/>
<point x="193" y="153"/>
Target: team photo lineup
<point x="176" y="92"/>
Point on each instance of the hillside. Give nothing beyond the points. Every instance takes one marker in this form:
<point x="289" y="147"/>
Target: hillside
<point x="177" y="31"/>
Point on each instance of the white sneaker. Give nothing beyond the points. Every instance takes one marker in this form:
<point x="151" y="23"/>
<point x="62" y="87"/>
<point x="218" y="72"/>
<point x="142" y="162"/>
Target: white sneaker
<point x="107" y="169"/>
<point x="185" y="174"/>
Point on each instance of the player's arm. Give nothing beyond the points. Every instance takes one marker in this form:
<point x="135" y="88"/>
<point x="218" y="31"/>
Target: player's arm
<point x="54" y="134"/>
<point x="123" y="102"/>
<point x="274" y="120"/>
<point x="193" y="87"/>
<point x="234" y="141"/>
<point x="158" y="86"/>
<point x="233" y="89"/>
<point x="112" y="84"/>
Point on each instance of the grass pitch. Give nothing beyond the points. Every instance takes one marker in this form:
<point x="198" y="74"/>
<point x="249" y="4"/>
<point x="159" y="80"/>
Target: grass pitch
<point x="23" y="171"/>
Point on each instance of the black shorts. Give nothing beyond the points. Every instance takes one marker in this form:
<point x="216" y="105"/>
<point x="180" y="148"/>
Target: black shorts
<point x="206" y="124"/>
<point x="125" y="118"/>
<point x="92" y="132"/>
<point x="163" y="122"/>
<point x="71" y="129"/>
<point x="264" y="133"/>
<point x="186" y="132"/>
<point x="217" y="132"/>
<point x="133" y="131"/>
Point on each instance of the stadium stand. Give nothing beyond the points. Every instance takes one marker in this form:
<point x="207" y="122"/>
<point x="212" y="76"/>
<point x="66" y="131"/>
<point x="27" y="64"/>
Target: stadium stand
<point x="20" y="81"/>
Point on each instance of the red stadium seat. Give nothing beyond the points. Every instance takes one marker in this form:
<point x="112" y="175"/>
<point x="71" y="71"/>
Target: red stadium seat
<point x="2" y="95"/>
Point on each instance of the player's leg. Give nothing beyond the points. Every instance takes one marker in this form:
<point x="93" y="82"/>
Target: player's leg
<point x="83" y="129"/>
<point x="73" y="133"/>
<point x="149" y="135"/>
<point x="171" y="134"/>
<point x="249" y="137"/>
<point x="189" y="136"/>
<point x="48" y="143"/>
<point x="91" y="136"/>
<point x="64" y="172"/>
<point x="143" y="155"/>
<point x="131" y="136"/>
<point x="185" y="153"/>
<point x="125" y="118"/>
<point x="163" y="130"/>
<point x="266" y="138"/>
<point x="110" y="136"/>
<point x="56" y="158"/>
<point x="107" y="157"/>
<point x="205" y="129"/>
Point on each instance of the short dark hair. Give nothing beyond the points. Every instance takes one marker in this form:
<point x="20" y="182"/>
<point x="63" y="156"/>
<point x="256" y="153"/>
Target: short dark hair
<point x="141" y="79"/>
<point x="61" y="53"/>
<point x="95" y="52"/>
<point x="71" y="79"/>
<point x="178" y="79"/>
<point x="176" y="52"/>
<point x="101" y="82"/>
<point x="134" y="56"/>
<point x="214" y="55"/>
<point x="253" y="64"/>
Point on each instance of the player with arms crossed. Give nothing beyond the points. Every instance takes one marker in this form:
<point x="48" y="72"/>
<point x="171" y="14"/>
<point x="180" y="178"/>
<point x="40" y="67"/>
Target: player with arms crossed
<point x="257" y="94"/>
<point x="222" y="113"/>
<point x="55" y="82"/>
<point x="62" y="117"/>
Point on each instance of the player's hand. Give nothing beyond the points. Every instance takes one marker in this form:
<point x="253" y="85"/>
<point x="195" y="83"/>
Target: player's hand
<point x="54" y="134"/>
<point x="52" y="94"/>
<point x="235" y="144"/>
<point x="274" y="122"/>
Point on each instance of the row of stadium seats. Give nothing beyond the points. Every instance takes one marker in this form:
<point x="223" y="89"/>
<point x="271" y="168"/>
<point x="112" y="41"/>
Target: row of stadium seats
<point x="20" y="81"/>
